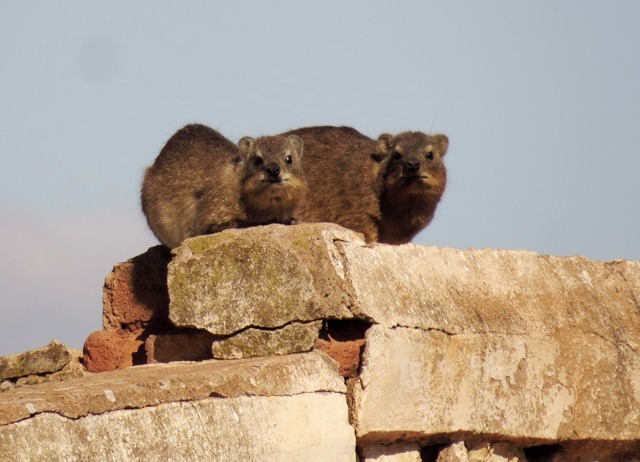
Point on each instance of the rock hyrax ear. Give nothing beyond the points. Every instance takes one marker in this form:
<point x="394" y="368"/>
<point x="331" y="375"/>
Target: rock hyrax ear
<point x="296" y="145"/>
<point x="246" y="145"/>
<point x="441" y="143"/>
<point x="387" y="143"/>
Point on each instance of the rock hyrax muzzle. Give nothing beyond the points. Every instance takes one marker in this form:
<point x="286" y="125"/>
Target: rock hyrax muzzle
<point x="273" y="182"/>
<point x="415" y="179"/>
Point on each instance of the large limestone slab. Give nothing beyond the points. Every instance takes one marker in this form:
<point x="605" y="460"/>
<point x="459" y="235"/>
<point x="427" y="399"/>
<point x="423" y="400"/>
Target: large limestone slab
<point x="308" y="426"/>
<point x="282" y="408"/>
<point x="154" y="384"/>
<point x="265" y="276"/>
<point x="270" y="276"/>
<point x="424" y="384"/>
<point x="512" y="292"/>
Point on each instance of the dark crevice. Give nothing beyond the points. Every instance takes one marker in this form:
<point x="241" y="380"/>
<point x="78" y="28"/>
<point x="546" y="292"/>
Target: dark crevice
<point x="542" y="453"/>
<point x="149" y="283"/>
<point x="430" y="453"/>
<point x="344" y="330"/>
<point x="344" y="341"/>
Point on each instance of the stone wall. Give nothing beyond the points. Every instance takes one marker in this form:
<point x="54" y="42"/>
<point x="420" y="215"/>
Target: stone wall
<point x="304" y="343"/>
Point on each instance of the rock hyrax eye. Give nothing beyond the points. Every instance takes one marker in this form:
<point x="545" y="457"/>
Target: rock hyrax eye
<point x="429" y="155"/>
<point x="258" y="161"/>
<point x="288" y="160"/>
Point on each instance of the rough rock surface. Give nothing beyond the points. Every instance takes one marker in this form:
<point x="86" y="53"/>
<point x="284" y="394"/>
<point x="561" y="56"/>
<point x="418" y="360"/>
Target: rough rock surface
<point x="160" y="383"/>
<point x="45" y="360"/>
<point x="310" y="427"/>
<point x="449" y="354"/>
<point x="499" y="291"/>
<point x="479" y="342"/>
<point x="397" y="452"/>
<point x="293" y="338"/>
<point x="282" y="408"/>
<point x="259" y="277"/>
<point x="53" y="362"/>
<point x="483" y="452"/>
<point x="578" y="386"/>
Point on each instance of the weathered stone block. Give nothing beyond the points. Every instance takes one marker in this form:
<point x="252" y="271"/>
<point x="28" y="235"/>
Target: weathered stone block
<point x="292" y="338"/>
<point x="284" y="408"/>
<point x="310" y="427"/>
<point x="152" y="384"/>
<point x="509" y="292"/>
<point x="45" y="360"/>
<point x="571" y="386"/>
<point x="455" y="452"/>
<point x="530" y="353"/>
<point x="496" y="452"/>
<point x="266" y="276"/>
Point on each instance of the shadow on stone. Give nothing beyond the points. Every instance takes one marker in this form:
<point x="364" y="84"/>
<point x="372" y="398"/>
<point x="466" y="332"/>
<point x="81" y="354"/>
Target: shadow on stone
<point x="149" y="285"/>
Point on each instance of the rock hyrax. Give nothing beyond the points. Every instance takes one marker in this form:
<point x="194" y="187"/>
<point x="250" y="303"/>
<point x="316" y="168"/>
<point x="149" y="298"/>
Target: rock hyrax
<point x="202" y="183"/>
<point x="386" y="189"/>
<point x="414" y="181"/>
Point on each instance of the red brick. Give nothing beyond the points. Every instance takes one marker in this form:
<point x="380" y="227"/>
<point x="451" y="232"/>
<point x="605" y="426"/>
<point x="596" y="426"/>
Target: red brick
<point x="135" y="294"/>
<point x="107" y="351"/>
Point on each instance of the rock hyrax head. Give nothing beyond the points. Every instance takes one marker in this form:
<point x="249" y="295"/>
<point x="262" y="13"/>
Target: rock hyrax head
<point x="415" y="163"/>
<point x="273" y="176"/>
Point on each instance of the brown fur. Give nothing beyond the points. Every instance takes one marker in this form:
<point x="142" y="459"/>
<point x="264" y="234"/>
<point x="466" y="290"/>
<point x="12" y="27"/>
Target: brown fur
<point x="414" y="182"/>
<point x="341" y="178"/>
<point x="386" y="189"/>
<point x="202" y="183"/>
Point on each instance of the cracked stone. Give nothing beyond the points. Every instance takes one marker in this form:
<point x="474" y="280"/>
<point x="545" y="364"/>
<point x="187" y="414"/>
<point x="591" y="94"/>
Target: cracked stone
<point x="292" y="338"/>
<point x="286" y="408"/>
<point x="265" y="276"/>
<point x="153" y="384"/>
<point x="475" y="291"/>
<point x="572" y="386"/>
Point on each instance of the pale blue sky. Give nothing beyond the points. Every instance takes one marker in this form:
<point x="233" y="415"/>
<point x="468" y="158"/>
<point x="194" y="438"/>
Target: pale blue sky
<point x="541" y="102"/>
